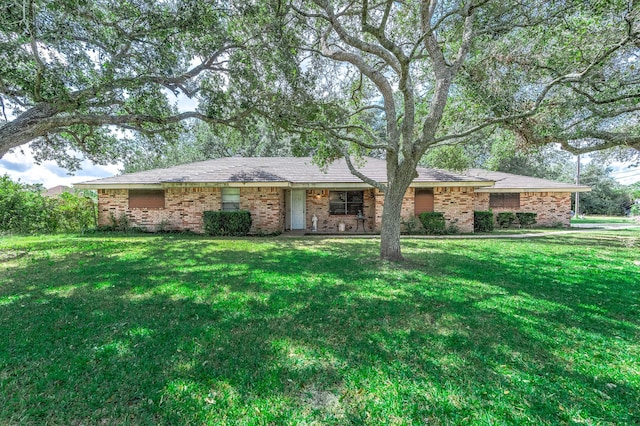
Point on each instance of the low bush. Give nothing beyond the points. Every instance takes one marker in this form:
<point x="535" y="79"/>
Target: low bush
<point x="505" y="219"/>
<point x="411" y="225"/>
<point x="527" y="219"/>
<point x="433" y="222"/>
<point x="227" y="223"/>
<point x="483" y="221"/>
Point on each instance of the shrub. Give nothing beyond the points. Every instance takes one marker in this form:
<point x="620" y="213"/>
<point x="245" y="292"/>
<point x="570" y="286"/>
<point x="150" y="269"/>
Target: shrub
<point x="433" y="223"/>
<point x="483" y="221"/>
<point x="505" y="219"/>
<point x="75" y="212"/>
<point x="24" y="210"/>
<point x="453" y="229"/>
<point x="120" y="223"/>
<point x="227" y="223"/>
<point x="411" y="225"/>
<point x="527" y="219"/>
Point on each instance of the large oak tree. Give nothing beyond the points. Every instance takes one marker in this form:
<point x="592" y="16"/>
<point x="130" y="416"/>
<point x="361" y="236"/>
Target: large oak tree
<point x="399" y="78"/>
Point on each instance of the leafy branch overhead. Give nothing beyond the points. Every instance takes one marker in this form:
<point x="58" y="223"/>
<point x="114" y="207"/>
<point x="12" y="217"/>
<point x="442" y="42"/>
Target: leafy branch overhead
<point x="71" y="73"/>
<point x="438" y="72"/>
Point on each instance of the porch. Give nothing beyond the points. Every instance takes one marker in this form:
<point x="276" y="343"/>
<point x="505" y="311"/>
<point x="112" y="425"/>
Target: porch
<point x="332" y="211"/>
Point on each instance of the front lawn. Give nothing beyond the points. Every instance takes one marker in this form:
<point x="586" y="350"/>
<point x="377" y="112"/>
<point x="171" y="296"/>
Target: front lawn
<point x="604" y="219"/>
<point x="116" y="329"/>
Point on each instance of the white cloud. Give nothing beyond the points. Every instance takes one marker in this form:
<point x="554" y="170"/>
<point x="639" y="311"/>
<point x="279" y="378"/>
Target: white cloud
<point x="21" y="165"/>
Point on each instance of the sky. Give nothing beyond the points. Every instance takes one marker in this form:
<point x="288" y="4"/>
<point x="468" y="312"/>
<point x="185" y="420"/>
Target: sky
<point x="20" y="165"/>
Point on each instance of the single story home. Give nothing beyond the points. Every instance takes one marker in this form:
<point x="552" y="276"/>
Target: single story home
<point x="284" y="193"/>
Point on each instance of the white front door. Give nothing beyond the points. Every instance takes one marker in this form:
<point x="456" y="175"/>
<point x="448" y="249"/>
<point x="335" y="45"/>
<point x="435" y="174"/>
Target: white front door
<point x="298" y="204"/>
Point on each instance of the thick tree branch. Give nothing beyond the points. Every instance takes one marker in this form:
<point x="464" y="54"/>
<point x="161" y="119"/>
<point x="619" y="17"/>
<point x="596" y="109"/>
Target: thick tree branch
<point x="427" y="9"/>
<point x="354" y="171"/>
<point x="567" y="78"/>
<point x="606" y="140"/>
<point x="376" y="78"/>
<point x="355" y="42"/>
<point x="46" y="118"/>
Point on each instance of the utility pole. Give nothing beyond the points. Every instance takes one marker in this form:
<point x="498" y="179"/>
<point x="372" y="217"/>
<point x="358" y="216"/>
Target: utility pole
<point x="577" y="206"/>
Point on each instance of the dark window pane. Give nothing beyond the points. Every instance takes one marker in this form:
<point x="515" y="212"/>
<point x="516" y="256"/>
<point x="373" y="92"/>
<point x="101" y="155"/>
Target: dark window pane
<point x="337" y="208"/>
<point x="505" y="200"/>
<point x="345" y="202"/>
<point x="230" y="206"/>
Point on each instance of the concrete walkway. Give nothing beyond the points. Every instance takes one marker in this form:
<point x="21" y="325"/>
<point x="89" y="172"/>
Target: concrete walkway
<point x="576" y="228"/>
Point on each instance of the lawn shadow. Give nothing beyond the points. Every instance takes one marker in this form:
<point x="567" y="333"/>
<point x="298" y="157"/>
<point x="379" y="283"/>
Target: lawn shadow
<point x="203" y="331"/>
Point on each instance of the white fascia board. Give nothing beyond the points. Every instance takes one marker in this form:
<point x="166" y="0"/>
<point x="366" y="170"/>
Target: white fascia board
<point x="451" y="184"/>
<point x="513" y="190"/>
<point x="331" y="185"/>
<point x="96" y="186"/>
<point x="225" y="184"/>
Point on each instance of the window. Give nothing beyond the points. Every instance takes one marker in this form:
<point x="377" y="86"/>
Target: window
<point x="146" y="198"/>
<point x="504" y="200"/>
<point x="230" y="199"/>
<point x="345" y="202"/>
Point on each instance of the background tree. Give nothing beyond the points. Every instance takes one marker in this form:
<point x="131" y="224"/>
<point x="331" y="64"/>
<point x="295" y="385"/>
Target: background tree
<point x="200" y="141"/>
<point x="436" y="72"/>
<point x="500" y="151"/>
<point x="607" y="196"/>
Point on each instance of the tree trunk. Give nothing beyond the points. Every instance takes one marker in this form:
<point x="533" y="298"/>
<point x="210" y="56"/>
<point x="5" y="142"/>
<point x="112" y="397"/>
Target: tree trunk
<point x="390" y="232"/>
<point x="391" y="217"/>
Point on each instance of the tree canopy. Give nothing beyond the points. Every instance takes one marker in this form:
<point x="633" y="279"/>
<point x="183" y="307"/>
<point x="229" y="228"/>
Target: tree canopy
<point x="88" y="74"/>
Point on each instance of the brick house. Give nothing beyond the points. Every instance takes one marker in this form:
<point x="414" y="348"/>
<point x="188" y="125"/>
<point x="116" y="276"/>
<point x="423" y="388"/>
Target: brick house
<point x="287" y="193"/>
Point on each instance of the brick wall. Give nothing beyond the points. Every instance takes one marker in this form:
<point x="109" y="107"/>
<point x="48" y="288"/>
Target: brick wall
<point x="552" y="207"/>
<point x="407" y="209"/>
<point x="266" y="206"/>
<point x="184" y="208"/>
<point x="318" y="204"/>
<point x="455" y="203"/>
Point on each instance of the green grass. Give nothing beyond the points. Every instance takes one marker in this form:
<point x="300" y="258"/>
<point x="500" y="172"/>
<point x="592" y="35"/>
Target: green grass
<point x="116" y="329"/>
<point x="604" y="219"/>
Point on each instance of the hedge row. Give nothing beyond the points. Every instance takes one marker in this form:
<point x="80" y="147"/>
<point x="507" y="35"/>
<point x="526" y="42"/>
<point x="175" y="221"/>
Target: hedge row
<point x="227" y="223"/>
<point x="483" y="220"/>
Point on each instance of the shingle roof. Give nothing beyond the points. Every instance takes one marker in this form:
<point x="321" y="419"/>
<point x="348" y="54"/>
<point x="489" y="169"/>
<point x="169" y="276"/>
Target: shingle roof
<point x="57" y="190"/>
<point x="507" y="182"/>
<point x="290" y="171"/>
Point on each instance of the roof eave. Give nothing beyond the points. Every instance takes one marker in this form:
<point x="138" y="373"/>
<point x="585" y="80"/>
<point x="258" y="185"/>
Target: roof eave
<point x="117" y="186"/>
<point x="434" y="184"/>
<point x="224" y="184"/>
<point x="534" y="189"/>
